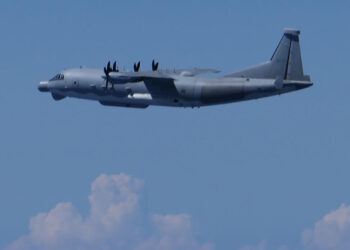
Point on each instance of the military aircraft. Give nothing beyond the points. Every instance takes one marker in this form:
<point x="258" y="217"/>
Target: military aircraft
<point x="182" y="88"/>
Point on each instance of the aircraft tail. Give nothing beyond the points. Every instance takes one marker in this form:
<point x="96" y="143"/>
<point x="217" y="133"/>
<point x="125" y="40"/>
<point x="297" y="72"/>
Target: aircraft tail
<point x="285" y="63"/>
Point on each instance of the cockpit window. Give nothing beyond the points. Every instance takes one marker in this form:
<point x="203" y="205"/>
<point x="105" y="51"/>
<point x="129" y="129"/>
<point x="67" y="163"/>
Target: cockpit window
<point x="58" y="77"/>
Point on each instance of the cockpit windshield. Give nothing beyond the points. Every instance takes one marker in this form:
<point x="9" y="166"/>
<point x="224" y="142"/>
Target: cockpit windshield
<point x="58" y="77"/>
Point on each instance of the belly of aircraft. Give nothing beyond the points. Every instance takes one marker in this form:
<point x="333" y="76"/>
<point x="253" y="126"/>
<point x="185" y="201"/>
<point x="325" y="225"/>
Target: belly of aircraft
<point x="140" y="98"/>
<point x="181" y="93"/>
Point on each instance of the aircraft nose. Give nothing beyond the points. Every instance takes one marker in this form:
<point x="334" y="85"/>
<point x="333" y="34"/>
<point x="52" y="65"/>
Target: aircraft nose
<point x="43" y="86"/>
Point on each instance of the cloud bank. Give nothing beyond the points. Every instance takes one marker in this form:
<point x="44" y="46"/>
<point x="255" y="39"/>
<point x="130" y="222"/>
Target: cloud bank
<point x="332" y="232"/>
<point x="115" y="221"/>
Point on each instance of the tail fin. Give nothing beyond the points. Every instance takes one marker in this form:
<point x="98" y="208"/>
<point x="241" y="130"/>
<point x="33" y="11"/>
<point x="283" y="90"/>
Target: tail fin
<point x="285" y="63"/>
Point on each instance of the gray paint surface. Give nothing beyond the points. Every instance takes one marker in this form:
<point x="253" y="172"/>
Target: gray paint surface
<point x="182" y="88"/>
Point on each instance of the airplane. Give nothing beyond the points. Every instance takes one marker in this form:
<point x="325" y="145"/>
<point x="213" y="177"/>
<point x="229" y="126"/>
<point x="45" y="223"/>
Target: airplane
<point x="283" y="73"/>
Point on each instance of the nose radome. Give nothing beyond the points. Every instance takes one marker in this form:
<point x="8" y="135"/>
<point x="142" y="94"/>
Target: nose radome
<point x="43" y="86"/>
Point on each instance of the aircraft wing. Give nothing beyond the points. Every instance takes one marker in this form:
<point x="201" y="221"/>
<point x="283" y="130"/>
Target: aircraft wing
<point x="160" y="84"/>
<point x="195" y="72"/>
<point x="125" y="77"/>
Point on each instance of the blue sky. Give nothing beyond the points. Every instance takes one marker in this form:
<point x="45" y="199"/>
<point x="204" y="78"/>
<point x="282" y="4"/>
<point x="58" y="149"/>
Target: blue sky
<point x="258" y="171"/>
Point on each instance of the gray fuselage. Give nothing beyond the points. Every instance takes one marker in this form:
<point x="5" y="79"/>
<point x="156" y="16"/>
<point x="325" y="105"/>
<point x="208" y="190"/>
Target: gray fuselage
<point x="283" y="73"/>
<point x="182" y="91"/>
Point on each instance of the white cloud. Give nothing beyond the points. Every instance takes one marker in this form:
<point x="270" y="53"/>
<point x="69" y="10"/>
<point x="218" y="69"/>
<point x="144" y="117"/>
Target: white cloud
<point x="173" y="232"/>
<point x="115" y="222"/>
<point x="331" y="232"/>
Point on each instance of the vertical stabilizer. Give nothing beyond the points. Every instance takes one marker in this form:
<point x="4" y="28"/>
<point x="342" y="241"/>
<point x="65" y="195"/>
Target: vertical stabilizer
<point x="285" y="63"/>
<point x="294" y="69"/>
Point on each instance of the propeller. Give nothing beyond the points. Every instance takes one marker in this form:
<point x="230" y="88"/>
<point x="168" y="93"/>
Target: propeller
<point x="137" y="67"/>
<point x="155" y="65"/>
<point x="108" y="70"/>
<point x="115" y="69"/>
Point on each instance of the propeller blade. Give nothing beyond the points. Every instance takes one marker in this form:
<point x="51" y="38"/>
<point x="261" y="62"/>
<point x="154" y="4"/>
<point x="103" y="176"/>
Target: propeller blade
<point x="155" y="65"/>
<point x="138" y="66"/>
<point x="107" y="75"/>
<point x="109" y="69"/>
